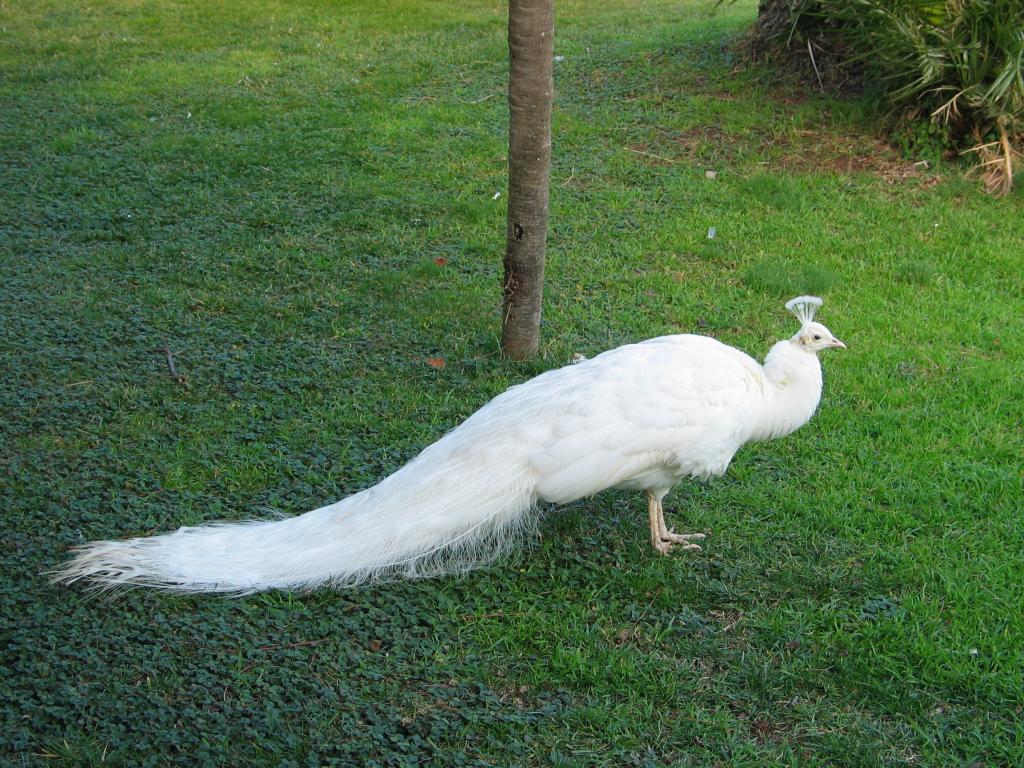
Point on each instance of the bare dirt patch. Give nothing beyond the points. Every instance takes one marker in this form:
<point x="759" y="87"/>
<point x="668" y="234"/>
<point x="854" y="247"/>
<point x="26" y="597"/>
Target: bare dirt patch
<point x="814" y="151"/>
<point x="797" y="152"/>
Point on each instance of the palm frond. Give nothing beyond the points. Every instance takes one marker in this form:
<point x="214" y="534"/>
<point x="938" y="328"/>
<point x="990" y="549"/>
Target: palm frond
<point x="960" y="62"/>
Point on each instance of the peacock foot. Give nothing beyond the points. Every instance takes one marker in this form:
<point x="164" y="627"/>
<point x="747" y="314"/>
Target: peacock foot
<point x="683" y="538"/>
<point x="663" y="539"/>
<point x="664" y="546"/>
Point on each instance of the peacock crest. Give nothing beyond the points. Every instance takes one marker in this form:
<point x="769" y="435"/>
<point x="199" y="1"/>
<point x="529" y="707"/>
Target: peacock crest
<point x="804" y="307"/>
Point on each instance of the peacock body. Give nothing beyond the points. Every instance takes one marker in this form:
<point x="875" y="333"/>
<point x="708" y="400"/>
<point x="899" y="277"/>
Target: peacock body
<point x="643" y="416"/>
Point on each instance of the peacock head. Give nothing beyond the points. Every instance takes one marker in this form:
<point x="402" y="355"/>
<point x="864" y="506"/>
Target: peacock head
<point x="812" y="337"/>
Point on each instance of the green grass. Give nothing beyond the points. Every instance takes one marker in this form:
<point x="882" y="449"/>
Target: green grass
<point x="268" y="188"/>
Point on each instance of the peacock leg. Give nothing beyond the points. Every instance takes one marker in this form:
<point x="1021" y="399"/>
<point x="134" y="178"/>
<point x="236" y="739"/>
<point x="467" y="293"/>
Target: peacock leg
<point x="662" y="539"/>
<point x="654" y="515"/>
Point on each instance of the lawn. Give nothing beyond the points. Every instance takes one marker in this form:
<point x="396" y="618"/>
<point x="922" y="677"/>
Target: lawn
<point x="301" y="201"/>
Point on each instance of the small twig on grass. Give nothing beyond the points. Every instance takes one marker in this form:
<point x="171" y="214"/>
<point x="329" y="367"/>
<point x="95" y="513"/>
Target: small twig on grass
<point x="495" y="615"/>
<point x="169" y="356"/>
<point x="648" y="154"/>
<point x="288" y="646"/>
<point x="815" y="65"/>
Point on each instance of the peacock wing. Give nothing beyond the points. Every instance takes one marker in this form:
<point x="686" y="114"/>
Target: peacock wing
<point x="667" y="408"/>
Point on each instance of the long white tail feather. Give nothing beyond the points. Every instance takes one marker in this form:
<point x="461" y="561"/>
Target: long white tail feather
<point x="452" y="508"/>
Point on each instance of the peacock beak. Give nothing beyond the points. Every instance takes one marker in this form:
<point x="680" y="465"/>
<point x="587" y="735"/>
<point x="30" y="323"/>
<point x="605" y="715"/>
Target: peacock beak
<point x="837" y="344"/>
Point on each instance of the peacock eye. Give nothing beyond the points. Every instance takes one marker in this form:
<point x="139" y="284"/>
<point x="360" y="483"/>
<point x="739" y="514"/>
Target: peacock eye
<point x="817" y="337"/>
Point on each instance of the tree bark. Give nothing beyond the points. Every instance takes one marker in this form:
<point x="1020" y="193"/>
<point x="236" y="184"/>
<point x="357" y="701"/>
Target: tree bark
<point x="531" y="36"/>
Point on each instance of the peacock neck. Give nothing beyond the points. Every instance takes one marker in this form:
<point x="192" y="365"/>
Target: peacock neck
<point x="792" y="390"/>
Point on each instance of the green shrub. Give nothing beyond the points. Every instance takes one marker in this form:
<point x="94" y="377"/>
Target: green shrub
<point x="959" y="63"/>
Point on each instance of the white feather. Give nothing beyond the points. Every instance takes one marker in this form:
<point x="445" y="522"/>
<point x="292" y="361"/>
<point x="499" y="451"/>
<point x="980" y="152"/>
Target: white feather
<point x="804" y="307"/>
<point x="641" y="416"/>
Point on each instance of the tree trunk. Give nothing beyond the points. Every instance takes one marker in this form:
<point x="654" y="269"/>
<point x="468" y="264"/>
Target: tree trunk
<point x="774" y="21"/>
<point x="531" y="36"/>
